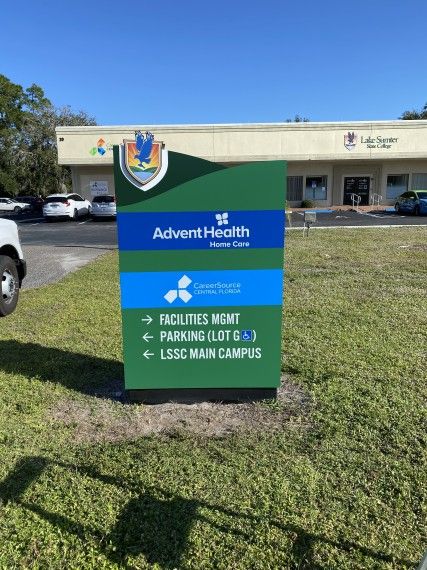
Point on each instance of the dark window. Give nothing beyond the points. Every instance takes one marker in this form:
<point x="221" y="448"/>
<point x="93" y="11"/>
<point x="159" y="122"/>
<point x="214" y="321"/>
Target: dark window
<point x="294" y="193"/>
<point x="397" y="184"/>
<point x="419" y="181"/>
<point x="61" y="199"/>
<point x="316" y="187"/>
<point x="104" y="199"/>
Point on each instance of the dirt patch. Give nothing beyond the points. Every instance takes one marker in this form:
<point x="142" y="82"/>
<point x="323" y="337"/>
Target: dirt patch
<point x="105" y="420"/>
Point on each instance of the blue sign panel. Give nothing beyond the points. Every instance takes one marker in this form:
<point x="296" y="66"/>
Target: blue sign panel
<point x="201" y="230"/>
<point x="201" y="288"/>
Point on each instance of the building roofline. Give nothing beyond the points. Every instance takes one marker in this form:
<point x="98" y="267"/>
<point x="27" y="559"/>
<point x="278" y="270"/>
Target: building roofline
<point x="247" y="126"/>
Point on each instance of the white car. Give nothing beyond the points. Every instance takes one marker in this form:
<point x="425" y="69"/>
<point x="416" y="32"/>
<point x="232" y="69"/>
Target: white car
<point x="12" y="267"/>
<point x="66" y="205"/>
<point x="9" y="205"/>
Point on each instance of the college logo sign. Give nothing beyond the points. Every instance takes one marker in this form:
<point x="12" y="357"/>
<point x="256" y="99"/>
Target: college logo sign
<point x="100" y="148"/>
<point x="143" y="161"/>
<point x="350" y="140"/>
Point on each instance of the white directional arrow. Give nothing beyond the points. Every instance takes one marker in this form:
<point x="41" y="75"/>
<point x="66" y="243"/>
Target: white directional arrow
<point x="146" y="337"/>
<point x="147" y="354"/>
<point x="147" y="319"/>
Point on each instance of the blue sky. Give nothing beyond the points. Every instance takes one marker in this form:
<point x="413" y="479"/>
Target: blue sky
<point x="220" y="61"/>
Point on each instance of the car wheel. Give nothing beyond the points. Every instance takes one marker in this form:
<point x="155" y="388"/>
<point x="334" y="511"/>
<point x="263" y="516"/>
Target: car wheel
<point x="9" y="283"/>
<point x="75" y="215"/>
<point x="397" y="208"/>
<point x="17" y="210"/>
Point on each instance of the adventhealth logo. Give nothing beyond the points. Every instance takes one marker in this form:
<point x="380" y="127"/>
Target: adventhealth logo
<point x="204" y="232"/>
<point x="222" y="218"/>
<point x="181" y="292"/>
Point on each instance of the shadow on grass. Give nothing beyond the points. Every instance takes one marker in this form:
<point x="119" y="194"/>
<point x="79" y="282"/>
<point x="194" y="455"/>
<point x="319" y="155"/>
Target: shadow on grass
<point x="26" y="471"/>
<point x="81" y="372"/>
<point x="157" y="524"/>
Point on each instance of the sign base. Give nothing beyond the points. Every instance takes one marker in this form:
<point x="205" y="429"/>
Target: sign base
<point x="196" y="395"/>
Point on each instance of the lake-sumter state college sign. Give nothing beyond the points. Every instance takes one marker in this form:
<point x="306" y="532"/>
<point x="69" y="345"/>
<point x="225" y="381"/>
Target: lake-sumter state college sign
<point x="351" y="141"/>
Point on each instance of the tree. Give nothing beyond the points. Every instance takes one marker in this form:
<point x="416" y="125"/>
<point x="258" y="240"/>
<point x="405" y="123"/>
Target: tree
<point x="28" y="153"/>
<point x="298" y="119"/>
<point x="414" y="115"/>
<point x="43" y="172"/>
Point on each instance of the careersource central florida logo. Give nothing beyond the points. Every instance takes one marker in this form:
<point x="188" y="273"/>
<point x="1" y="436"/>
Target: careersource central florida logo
<point x="181" y="292"/>
<point x="201" y="288"/>
<point x="209" y="232"/>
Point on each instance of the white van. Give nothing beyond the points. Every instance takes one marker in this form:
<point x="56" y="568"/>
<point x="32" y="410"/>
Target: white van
<point x="13" y="267"/>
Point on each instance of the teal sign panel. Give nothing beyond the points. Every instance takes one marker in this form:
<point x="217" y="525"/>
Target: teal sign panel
<point x="201" y="269"/>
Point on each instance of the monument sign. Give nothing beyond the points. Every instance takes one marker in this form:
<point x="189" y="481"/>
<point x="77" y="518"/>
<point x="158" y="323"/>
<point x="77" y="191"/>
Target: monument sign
<point x="201" y="273"/>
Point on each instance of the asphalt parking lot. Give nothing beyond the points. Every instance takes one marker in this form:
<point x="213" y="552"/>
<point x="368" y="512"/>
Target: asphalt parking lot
<point x="35" y="230"/>
<point x="53" y="249"/>
<point x="347" y="218"/>
<point x="84" y="233"/>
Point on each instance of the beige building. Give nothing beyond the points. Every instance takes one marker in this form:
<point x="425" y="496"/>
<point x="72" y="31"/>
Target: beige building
<point x="327" y="162"/>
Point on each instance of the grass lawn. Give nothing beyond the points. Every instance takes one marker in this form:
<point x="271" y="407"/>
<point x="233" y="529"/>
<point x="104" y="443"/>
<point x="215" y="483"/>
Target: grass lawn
<point x="342" y="485"/>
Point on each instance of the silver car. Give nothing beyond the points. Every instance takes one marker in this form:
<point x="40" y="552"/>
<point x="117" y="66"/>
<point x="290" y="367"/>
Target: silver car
<point x="104" y="206"/>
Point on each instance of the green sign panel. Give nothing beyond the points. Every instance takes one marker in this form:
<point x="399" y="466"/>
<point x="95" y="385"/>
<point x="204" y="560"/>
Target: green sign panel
<point x="201" y="270"/>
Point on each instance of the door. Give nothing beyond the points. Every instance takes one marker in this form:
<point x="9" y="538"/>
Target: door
<point x="407" y="202"/>
<point x="356" y="185"/>
<point x="8" y="205"/>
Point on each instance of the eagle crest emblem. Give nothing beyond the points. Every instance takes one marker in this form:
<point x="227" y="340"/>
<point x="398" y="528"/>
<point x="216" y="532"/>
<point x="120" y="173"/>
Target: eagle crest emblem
<point x="143" y="159"/>
<point x="350" y="140"/>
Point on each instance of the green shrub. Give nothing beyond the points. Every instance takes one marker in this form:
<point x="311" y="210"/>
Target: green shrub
<point x="307" y="204"/>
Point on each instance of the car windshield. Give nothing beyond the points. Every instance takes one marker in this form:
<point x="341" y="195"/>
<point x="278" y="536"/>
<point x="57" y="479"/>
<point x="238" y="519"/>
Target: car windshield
<point x="104" y="199"/>
<point x="62" y="199"/>
<point x="422" y="195"/>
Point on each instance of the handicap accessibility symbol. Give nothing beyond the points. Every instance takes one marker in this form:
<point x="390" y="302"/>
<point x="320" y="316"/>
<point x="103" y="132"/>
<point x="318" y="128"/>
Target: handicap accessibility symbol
<point x="246" y="335"/>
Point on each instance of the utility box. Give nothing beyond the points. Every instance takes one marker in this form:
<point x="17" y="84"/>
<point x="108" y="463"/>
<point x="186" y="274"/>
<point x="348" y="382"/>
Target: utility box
<point x="309" y="217"/>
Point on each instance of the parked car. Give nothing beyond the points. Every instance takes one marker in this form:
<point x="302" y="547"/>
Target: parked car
<point x="103" y="206"/>
<point x="12" y="267"/>
<point x="413" y="202"/>
<point x="9" y="205"/>
<point x="66" y="205"/>
<point x="36" y="203"/>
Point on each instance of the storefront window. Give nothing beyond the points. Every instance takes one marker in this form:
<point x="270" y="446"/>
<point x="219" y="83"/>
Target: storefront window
<point x="316" y="187"/>
<point x="419" y="182"/>
<point x="294" y="193"/>
<point x="397" y="184"/>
